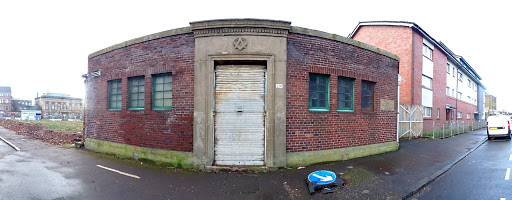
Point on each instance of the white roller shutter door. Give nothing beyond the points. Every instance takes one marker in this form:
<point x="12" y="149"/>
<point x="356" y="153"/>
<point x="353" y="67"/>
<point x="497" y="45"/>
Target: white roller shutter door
<point x="240" y="115"/>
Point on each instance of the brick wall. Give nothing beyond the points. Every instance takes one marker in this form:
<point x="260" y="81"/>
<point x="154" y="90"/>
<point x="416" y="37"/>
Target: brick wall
<point x="316" y="130"/>
<point x="438" y="88"/>
<point x="161" y="129"/>
<point x="408" y="45"/>
<point x="417" y="67"/>
<point x="397" y="40"/>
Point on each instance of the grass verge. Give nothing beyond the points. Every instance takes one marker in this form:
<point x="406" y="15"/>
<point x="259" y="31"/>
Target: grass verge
<point x="71" y="126"/>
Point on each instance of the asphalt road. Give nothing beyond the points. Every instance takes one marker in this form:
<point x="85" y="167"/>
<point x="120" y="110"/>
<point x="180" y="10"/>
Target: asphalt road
<point x="43" y="171"/>
<point x="481" y="175"/>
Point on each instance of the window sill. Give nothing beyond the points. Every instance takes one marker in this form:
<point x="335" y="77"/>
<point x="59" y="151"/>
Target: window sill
<point x="114" y="109"/>
<point x="318" y="109"/>
<point x="366" y="111"/>
<point x="347" y="111"/>
<point x="165" y="108"/>
<point x="135" y="109"/>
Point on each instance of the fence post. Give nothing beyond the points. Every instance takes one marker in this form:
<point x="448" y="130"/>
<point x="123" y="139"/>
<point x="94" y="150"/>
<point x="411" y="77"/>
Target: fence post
<point x="443" y="130"/>
<point x="433" y="129"/>
<point x="451" y="129"/>
<point x="463" y="124"/>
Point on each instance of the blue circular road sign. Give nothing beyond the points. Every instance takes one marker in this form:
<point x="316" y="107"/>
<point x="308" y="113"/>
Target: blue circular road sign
<point x="322" y="177"/>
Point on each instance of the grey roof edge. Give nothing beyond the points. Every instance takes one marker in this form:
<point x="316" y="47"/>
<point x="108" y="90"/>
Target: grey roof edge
<point x="461" y="59"/>
<point x="5" y="89"/>
<point x="58" y="97"/>
<point x="381" y="23"/>
<point x="330" y="36"/>
<point x="154" y="36"/>
<point x="239" y="22"/>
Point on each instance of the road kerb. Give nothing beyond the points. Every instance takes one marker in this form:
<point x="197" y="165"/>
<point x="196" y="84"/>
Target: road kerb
<point x="421" y="184"/>
<point x="10" y="144"/>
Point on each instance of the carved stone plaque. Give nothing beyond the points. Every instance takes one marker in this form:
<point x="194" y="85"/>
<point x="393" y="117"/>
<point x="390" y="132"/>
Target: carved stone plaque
<point x="240" y="43"/>
<point x="387" y="105"/>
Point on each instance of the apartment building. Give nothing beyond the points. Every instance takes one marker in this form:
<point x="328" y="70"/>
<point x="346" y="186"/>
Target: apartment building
<point x="5" y="101"/>
<point x="444" y="83"/>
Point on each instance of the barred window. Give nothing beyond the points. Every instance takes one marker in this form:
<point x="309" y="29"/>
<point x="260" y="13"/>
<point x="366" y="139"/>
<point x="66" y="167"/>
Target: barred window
<point x="367" y="95"/>
<point x="136" y="93"/>
<point x="162" y="91"/>
<point x="345" y="94"/>
<point x="318" y="92"/>
<point x="114" y="94"/>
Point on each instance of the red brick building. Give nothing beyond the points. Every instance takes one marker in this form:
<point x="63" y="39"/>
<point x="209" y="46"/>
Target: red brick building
<point x="245" y="92"/>
<point x="5" y="102"/>
<point x="433" y="76"/>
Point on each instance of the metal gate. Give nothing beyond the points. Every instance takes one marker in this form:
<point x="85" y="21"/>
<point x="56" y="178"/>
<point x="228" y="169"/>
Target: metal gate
<point x="410" y="120"/>
<point x="239" y="115"/>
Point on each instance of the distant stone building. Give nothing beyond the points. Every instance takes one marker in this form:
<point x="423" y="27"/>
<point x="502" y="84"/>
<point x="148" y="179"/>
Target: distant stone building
<point x="18" y="105"/>
<point x="60" y="106"/>
<point x="24" y="110"/>
<point x="5" y="101"/>
<point x="490" y="105"/>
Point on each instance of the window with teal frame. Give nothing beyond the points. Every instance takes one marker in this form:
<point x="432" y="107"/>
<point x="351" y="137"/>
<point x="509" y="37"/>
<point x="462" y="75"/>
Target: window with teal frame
<point x="318" y="92"/>
<point x="162" y="91"/>
<point x="114" y="94"/>
<point x="136" y="93"/>
<point x="345" y="95"/>
<point x="367" y="95"/>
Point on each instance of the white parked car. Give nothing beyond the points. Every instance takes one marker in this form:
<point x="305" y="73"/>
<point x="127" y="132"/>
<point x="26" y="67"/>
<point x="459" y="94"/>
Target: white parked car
<point x="498" y="126"/>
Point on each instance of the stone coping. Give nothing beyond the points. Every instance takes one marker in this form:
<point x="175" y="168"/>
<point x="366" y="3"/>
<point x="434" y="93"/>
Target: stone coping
<point x="177" y="31"/>
<point x="330" y="36"/>
<point x="293" y="29"/>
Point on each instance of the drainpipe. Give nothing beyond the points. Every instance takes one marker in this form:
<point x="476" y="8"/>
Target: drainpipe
<point x="84" y="105"/>
<point x="457" y="98"/>
<point x="398" y="113"/>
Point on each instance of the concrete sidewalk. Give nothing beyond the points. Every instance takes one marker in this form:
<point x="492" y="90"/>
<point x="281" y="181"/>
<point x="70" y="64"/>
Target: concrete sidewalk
<point x="392" y="175"/>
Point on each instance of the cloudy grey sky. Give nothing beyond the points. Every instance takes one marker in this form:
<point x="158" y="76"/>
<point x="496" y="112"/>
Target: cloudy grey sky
<point x="44" y="44"/>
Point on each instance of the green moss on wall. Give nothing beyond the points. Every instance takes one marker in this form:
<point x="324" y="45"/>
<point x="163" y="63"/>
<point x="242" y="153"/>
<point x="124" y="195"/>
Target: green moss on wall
<point x="310" y="157"/>
<point x="147" y="155"/>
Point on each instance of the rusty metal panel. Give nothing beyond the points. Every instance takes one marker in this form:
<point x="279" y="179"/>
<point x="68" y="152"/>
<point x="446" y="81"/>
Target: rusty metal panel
<point x="240" y="115"/>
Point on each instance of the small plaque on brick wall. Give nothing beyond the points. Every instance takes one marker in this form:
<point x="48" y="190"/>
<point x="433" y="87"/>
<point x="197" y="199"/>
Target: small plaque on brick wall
<point x="387" y="105"/>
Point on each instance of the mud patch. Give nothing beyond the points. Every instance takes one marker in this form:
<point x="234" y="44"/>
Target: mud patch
<point x="292" y="193"/>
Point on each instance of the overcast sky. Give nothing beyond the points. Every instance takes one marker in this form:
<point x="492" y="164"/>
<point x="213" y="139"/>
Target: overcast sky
<point x="45" y="44"/>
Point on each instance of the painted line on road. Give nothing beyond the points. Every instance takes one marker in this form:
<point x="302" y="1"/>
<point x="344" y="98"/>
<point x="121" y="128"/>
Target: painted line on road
<point x="10" y="144"/>
<point x="503" y="199"/>
<point x="508" y="174"/>
<point x="120" y="172"/>
<point x="510" y="158"/>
